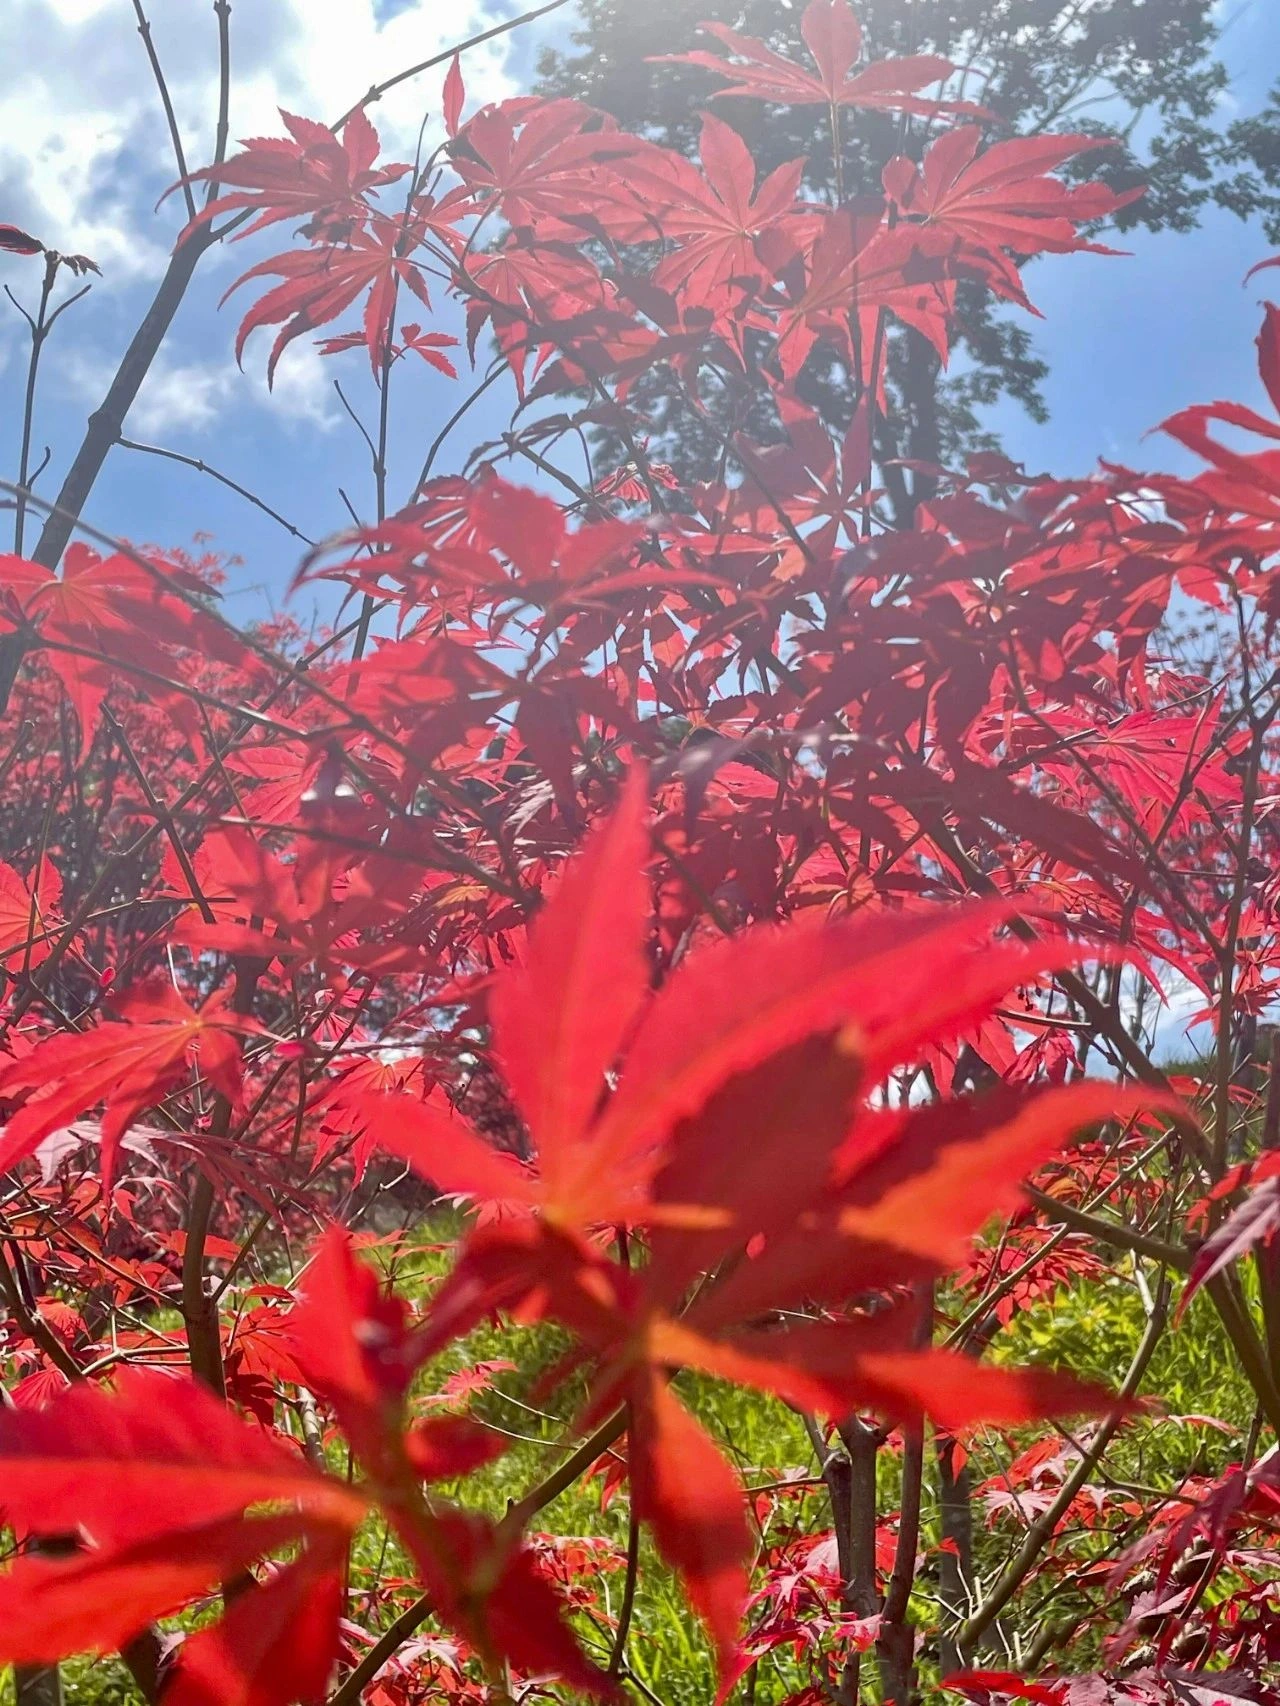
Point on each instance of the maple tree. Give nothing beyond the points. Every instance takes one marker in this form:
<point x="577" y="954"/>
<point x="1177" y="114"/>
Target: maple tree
<point x="1050" y="65"/>
<point x="715" y="894"/>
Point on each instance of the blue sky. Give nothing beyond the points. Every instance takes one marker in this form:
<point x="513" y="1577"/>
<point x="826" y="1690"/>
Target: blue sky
<point x="83" y="157"/>
<point x="1132" y="339"/>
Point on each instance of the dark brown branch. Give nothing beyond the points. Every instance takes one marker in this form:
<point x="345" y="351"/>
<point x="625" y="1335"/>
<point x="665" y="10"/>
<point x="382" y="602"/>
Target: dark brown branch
<point x="223" y="131"/>
<point x="39" y="326"/>
<point x="1109" y="1232"/>
<point x="199" y="1306"/>
<point x="896" y="1641"/>
<point x="106" y="422"/>
<point x="895" y="1644"/>
<point x="35" y="1327"/>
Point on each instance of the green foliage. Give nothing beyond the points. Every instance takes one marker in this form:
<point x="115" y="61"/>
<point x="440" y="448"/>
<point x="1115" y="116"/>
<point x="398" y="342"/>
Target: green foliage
<point x="1093" y="1327"/>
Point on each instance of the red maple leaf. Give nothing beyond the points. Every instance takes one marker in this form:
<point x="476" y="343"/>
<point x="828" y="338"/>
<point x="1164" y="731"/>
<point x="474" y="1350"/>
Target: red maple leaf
<point x="353" y="1341"/>
<point x="311" y="174"/>
<point x="127" y="1064"/>
<point x="833" y="36"/>
<point x="319" y="284"/>
<point x="28" y="915"/>
<point x="531" y="161"/>
<point x="159" y="1478"/>
<point x="106" y="611"/>
<point x="714" y="216"/>
<point x="740" y="1136"/>
<point x="18" y="242"/>
<point x="1002" y="197"/>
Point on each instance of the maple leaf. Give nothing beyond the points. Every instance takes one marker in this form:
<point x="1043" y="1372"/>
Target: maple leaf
<point x="311" y="174"/>
<point x="561" y="1020"/>
<point x="352" y="1340"/>
<point x="520" y="289"/>
<point x="130" y="610"/>
<point x="812" y="480"/>
<point x="430" y="346"/>
<point x="276" y="1644"/>
<point x="454" y="96"/>
<point x="1147" y="756"/>
<point x="739" y="1134"/>
<point x="559" y="1024"/>
<point x="28" y="916"/>
<point x="467" y="1383"/>
<point x="1002" y="197"/>
<point x="316" y="911"/>
<point x="714" y="216"/>
<point x="857" y="260"/>
<point x="753" y="1154"/>
<point x="896" y="1199"/>
<point x="158" y="1476"/>
<point x="531" y="160"/>
<point x="318" y="285"/>
<point x="127" y="1064"/>
<point x="1239" y="481"/>
<point x="79" y="265"/>
<point x="1268" y="344"/>
<point x="18" y="242"/>
<point x="690" y="1497"/>
<point x="1254" y="1221"/>
<point x="982" y="1683"/>
<point x="834" y="38"/>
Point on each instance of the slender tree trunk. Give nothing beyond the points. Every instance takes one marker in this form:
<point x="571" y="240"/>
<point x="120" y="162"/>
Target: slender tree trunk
<point x="896" y="1644"/>
<point x="103" y="431"/>
<point x="37" y="1687"/>
<point x="861" y="1595"/>
<point x="955" y="1570"/>
<point x="914" y="432"/>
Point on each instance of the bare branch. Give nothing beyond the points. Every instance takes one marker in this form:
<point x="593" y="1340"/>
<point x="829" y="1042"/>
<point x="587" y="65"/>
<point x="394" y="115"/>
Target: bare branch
<point x="378" y="90"/>
<point x="170" y="117"/>
<point x="203" y="467"/>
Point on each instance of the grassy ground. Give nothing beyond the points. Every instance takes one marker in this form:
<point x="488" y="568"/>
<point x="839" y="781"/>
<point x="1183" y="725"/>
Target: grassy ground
<point x="1093" y="1328"/>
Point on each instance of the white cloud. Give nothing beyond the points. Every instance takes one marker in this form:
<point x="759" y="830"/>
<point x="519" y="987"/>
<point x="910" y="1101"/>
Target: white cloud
<point x="177" y="396"/>
<point x="303" y="390"/>
<point x="83" y="145"/>
<point x="182" y="398"/>
<point x="84" y="153"/>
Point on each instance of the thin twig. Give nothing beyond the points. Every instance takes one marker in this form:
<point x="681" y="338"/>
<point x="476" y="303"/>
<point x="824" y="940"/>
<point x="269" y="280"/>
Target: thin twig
<point x="203" y="467"/>
<point x="1011" y="1578"/>
<point x="378" y="90"/>
<point x="170" y="117"/>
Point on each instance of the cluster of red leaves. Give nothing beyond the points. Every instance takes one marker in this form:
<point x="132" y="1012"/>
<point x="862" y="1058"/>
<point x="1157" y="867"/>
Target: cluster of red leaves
<point x="182" y="1485"/>
<point x="694" y="884"/>
<point x="773" y="1043"/>
<point x="733" y="258"/>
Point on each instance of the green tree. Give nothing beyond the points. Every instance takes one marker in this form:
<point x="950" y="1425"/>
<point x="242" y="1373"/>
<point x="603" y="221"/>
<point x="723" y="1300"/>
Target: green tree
<point x="1142" y="71"/>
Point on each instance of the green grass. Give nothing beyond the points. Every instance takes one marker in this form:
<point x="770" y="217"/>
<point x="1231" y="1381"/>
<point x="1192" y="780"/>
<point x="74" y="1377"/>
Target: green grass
<point x="1092" y="1328"/>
